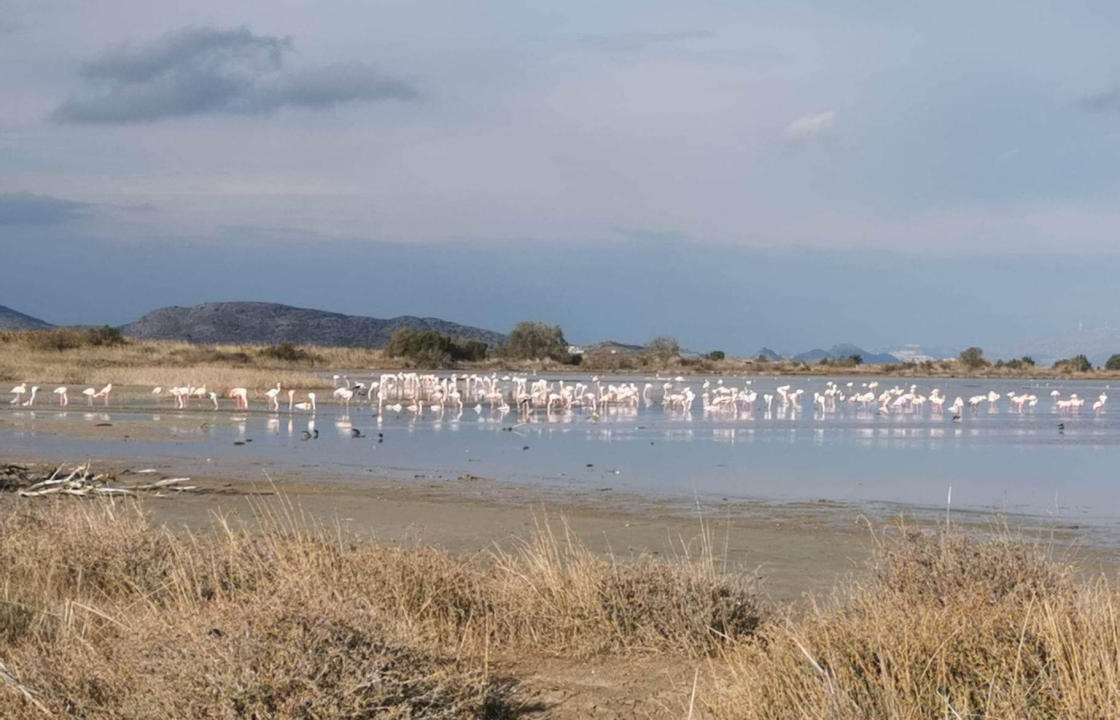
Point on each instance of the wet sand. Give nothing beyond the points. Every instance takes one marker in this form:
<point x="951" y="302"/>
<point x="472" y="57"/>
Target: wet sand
<point x="793" y="548"/>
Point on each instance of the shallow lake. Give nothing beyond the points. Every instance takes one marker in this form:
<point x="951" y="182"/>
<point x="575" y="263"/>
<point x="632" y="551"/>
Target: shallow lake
<point x="994" y="457"/>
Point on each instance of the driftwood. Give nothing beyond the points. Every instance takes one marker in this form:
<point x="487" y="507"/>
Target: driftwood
<point x="81" y="481"/>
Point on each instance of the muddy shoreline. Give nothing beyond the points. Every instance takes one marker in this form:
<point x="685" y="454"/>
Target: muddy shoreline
<point x="793" y="549"/>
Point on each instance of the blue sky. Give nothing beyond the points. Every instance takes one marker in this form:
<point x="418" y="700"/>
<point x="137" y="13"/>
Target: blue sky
<point x="735" y="174"/>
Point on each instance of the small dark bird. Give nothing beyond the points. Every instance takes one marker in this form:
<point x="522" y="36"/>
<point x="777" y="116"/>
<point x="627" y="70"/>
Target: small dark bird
<point x="238" y="442"/>
<point x="355" y="432"/>
<point x="305" y="435"/>
<point x="315" y="433"/>
<point x="956" y="418"/>
<point x="1061" y="428"/>
<point x="524" y="447"/>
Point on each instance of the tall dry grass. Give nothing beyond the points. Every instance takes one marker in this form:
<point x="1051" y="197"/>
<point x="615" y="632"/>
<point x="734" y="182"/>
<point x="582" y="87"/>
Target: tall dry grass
<point x="947" y="626"/>
<point x="104" y="616"/>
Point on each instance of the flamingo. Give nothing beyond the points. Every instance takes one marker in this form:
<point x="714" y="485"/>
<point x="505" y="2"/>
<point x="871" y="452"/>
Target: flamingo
<point x="240" y="397"/>
<point x="214" y="399"/>
<point x="31" y="400"/>
<point x="103" y="393"/>
<point x="291" y="399"/>
<point x="63" y="400"/>
<point x="272" y="393"/>
<point x="89" y="393"/>
<point x="309" y="404"/>
<point x="18" y="391"/>
<point x="345" y="395"/>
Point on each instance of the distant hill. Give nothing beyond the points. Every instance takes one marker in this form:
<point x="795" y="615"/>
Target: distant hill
<point x="844" y="350"/>
<point x="767" y="353"/>
<point x="270" y="323"/>
<point x="12" y="320"/>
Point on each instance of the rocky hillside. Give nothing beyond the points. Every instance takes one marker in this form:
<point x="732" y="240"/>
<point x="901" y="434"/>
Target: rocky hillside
<point x="269" y="323"/>
<point x="12" y="320"/>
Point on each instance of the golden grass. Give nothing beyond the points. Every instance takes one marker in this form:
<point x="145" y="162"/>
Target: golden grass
<point x="947" y="627"/>
<point x="104" y="616"/>
<point x="28" y="356"/>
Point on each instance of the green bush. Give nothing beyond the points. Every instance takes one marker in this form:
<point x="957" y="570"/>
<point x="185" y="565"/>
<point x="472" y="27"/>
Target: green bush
<point x="1077" y="363"/>
<point x="1113" y="363"/>
<point x="536" y="341"/>
<point x="429" y="347"/>
<point x="716" y="355"/>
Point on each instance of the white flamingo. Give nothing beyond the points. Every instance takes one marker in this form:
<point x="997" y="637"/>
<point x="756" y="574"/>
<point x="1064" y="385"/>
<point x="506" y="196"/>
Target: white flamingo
<point x="103" y="393"/>
<point x="240" y="397"/>
<point x="89" y="393"/>
<point x="272" y="394"/>
<point x="63" y="400"/>
<point x="31" y="400"/>
<point x="19" y="391"/>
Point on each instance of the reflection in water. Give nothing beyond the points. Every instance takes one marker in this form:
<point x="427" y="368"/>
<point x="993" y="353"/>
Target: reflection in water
<point x="1004" y="454"/>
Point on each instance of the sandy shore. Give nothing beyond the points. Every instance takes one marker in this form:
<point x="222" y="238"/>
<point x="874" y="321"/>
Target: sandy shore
<point x="792" y="548"/>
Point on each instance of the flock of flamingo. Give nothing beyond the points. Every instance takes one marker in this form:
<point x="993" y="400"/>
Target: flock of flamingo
<point x="415" y="393"/>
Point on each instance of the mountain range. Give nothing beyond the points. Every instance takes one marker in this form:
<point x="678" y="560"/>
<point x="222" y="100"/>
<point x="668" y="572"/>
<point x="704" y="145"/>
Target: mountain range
<point x="13" y="320"/>
<point x="270" y="323"/>
<point x="267" y="323"/>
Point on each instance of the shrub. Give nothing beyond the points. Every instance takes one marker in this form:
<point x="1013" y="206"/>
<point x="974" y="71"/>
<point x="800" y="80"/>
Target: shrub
<point x="72" y="338"/>
<point x="663" y="348"/>
<point x="286" y="352"/>
<point x="429" y="347"/>
<point x="717" y="355"/>
<point x="1077" y="363"/>
<point x="1113" y="363"/>
<point x="106" y="336"/>
<point x="536" y="341"/>
<point x="973" y="358"/>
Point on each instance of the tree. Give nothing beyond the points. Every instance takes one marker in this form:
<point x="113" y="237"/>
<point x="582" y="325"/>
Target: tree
<point x="1077" y="363"/>
<point x="664" y="348"/>
<point x="536" y="341"/>
<point x="717" y="355"/>
<point x="1113" y="363"/>
<point x="972" y="357"/>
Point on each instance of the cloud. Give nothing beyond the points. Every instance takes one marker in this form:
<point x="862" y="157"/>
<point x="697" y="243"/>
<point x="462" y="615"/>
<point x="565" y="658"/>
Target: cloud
<point x="811" y="127"/>
<point x="27" y="209"/>
<point x="636" y="41"/>
<point x="1105" y="102"/>
<point x="207" y="70"/>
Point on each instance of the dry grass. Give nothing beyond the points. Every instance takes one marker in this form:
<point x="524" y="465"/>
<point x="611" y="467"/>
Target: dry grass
<point x="947" y="627"/>
<point x="69" y="357"/>
<point x="104" y="616"/>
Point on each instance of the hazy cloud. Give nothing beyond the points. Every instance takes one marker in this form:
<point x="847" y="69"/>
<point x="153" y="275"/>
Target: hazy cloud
<point x="810" y="127"/>
<point x="28" y="209"/>
<point x="207" y="70"/>
<point x="1103" y="102"/>
<point x="635" y="41"/>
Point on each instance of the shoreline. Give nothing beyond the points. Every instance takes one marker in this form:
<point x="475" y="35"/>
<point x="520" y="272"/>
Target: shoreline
<point x="793" y="549"/>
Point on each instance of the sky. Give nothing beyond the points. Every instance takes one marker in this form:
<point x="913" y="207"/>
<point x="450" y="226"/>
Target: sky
<point x="788" y="174"/>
